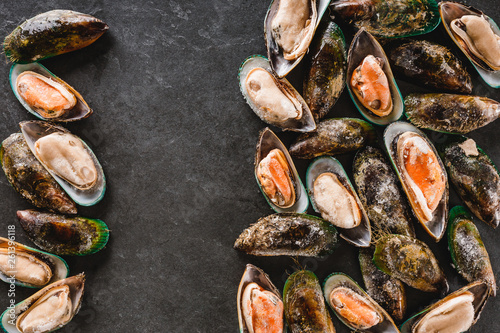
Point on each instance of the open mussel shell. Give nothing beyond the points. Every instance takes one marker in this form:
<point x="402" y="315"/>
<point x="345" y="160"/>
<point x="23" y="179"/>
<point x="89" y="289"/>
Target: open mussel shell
<point x="359" y="235"/>
<point x="374" y="319"/>
<point x="268" y="141"/>
<point x="303" y="123"/>
<point x="75" y="285"/>
<point x="436" y="225"/>
<point x="451" y="11"/>
<point x="254" y="275"/>
<point x="81" y="109"/>
<point x="363" y="45"/>
<point x="479" y="292"/>
<point x="278" y="63"/>
<point x="30" y="261"/>
<point x="35" y="130"/>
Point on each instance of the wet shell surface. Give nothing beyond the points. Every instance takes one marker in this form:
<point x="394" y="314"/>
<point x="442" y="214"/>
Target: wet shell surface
<point x="37" y="89"/>
<point x="275" y="101"/>
<point x="333" y="196"/>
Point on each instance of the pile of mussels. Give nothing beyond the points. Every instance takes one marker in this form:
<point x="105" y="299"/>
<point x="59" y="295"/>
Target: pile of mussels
<point x="54" y="170"/>
<point x="404" y="180"/>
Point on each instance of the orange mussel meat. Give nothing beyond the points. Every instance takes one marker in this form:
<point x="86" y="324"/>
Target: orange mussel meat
<point x="274" y="176"/>
<point x="354" y="308"/>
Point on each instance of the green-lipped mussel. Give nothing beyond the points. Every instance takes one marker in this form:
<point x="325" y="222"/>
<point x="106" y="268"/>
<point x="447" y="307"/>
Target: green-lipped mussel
<point x="475" y="177"/>
<point x="467" y="250"/>
<point x="411" y="261"/>
<point x="422" y="175"/>
<point x="354" y="307"/>
<point x="333" y="136"/>
<point x="64" y="235"/>
<point x="333" y="196"/>
<point x="47" y="310"/>
<point x="288" y="234"/>
<point x="52" y="33"/>
<point x="305" y="309"/>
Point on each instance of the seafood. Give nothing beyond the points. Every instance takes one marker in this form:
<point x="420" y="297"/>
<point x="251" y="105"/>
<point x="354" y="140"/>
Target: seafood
<point x="274" y="100"/>
<point x="28" y="177"/>
<point x="450" y="113"/>
<point x="52" y="33"/>
<point x="63" y="235"/>
<point x="333" y="136"/>
<point x="422" y="175"/>
<point x="474" y="176"/>
<point x="467" y="249"/>
<point x="304" y="305"/>
<point x="288" y="234"/>
<point x="354" y="307"/>
<point x="430" y="64"/>
<point x="260" y="308"/>
<point x="49" y="309"/>
<point x="411" y="261"/>
<point x="326" y="74"/>
<point x="333" y="196"/>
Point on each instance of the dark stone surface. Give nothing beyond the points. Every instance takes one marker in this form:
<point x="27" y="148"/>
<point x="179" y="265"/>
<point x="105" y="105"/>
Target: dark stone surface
<point x="176" y="140"/>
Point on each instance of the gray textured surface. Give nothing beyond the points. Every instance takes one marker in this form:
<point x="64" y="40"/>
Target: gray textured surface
<point x="176" y="140"/>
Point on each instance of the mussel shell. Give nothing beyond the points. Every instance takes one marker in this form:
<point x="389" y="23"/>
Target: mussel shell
<point x="450" y="11"/>
<point x="58" y="265"/>
<point x="336" y="280"/>
<point x="362" y="45"/>
<point x="76" y="285"/>
<point x="34" y="130"/>
<point x="80" y="111"/>
<point x="304" y="305"/>
<point x="357" y="236"/>
<point x="304" y="124"/>
<point x="278" y="63"/>
<point x="267" y="142"/>
<point x="476" y="179"/>
<point x="436" y="227"/>
<point x="467" y="250"/>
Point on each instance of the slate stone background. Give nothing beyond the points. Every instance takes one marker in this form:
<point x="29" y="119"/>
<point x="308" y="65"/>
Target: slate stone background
<point x="176" y="140"/>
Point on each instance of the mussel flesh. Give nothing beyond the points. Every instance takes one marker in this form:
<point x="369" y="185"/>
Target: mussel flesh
<point x="274" y="175"/>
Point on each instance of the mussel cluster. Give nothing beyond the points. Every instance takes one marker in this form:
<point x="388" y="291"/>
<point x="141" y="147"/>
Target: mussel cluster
<point x="54" y="170"/>
<point x="399" y="181"/>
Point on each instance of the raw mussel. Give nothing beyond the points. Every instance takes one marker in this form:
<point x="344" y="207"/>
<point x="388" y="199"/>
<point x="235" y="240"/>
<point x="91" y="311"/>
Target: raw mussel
<point x="64" y="235"/>
<point x="52" y="33"/>
<point x="28" y="267"/>
<point x="48" y="310"/>
<point x="277" y="177"/>
<point x="305" y="308"/>
<point x="354" y="307"/>
<point x="467" y="250"/>
<point x="260" y="308"/>
<point x="333" y="136"/>
<point x="326" y="74"/>
<point x="274" y="100"/>
<point x="450" y="113"/>
<point x="370" y="81"/>
<point x="411" y="261"/>
<point x="431" y="65"/>
<point x="45" y="95"/>
<point x="288" y="234"/>
<point x="333" y="196"/>
<point x="30" y="179"/>
<point x="422" y="175"/>
<point x="474" y="176"/>
<point x="289" y="28"/>
<point x="457" y="312"/>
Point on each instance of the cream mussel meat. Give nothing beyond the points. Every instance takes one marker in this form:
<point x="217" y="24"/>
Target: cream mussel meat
<point x="45" y="95"/>
<point x="30" y="267"/>
<point x="274" y="100"/>
<point x="68" y="159"/>
<point x="333" y="196"/>
<point x="49" y="309"/>
<point x="260" y="308"/>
